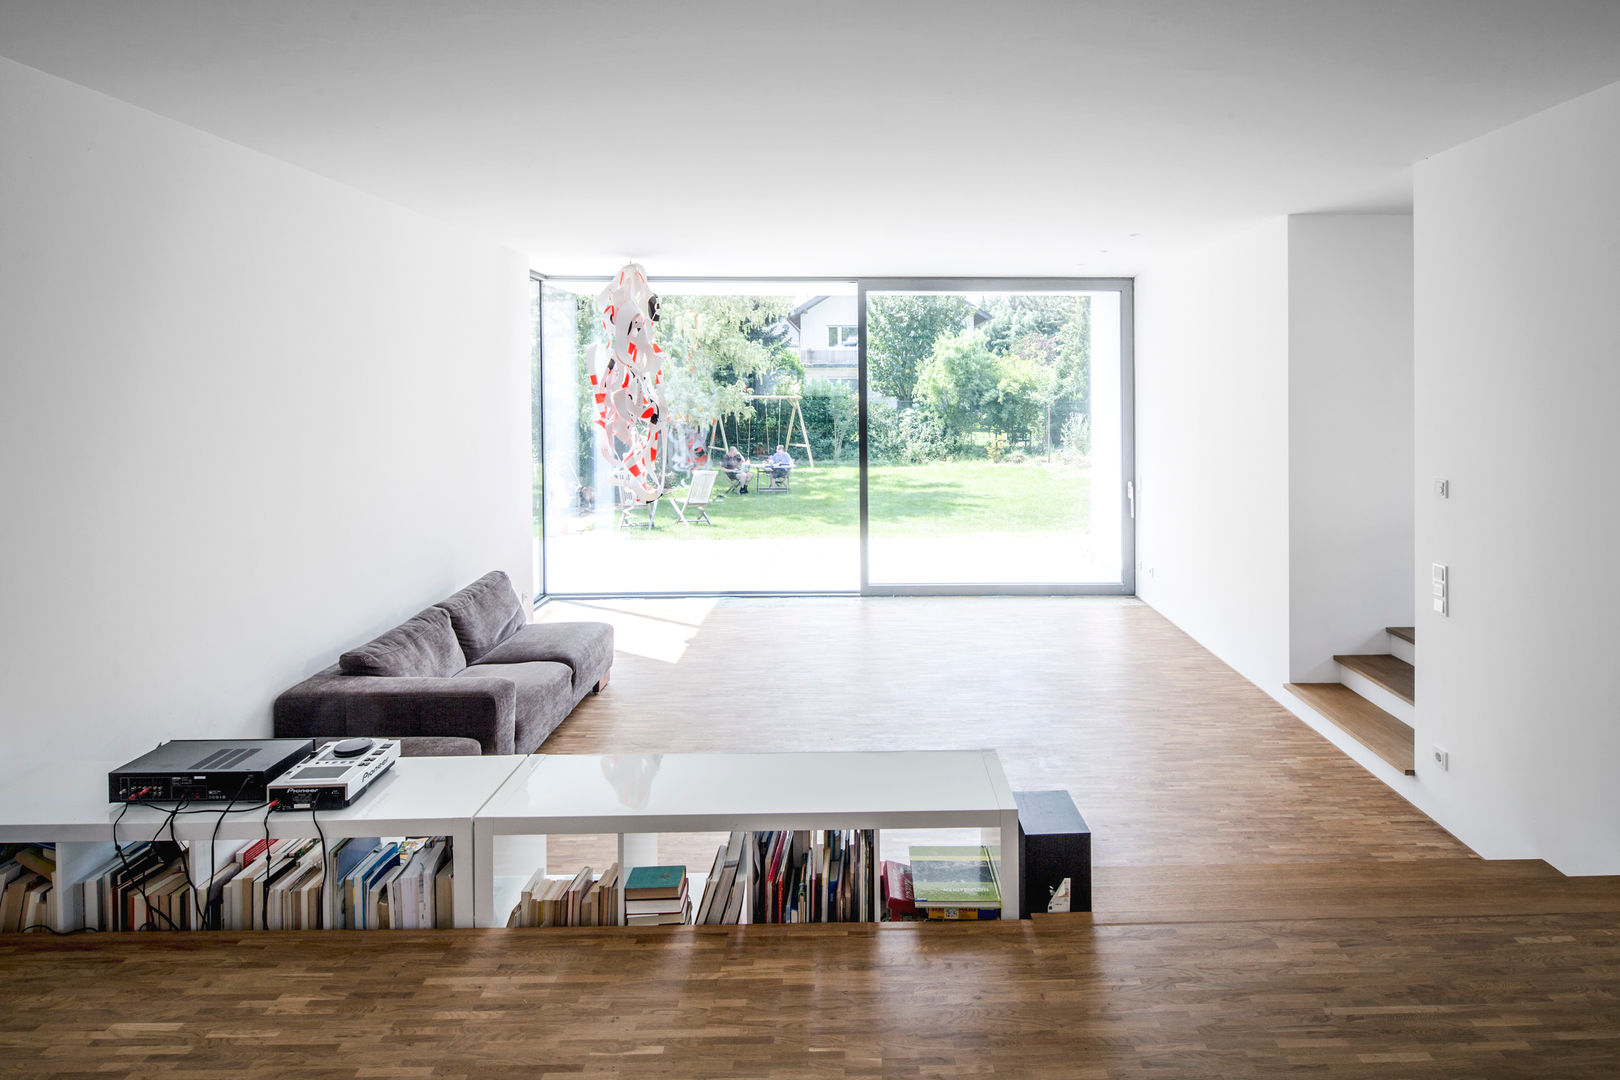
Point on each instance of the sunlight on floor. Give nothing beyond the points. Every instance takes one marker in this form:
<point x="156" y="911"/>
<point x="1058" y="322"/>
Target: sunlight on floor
<point x="655" y="629"/>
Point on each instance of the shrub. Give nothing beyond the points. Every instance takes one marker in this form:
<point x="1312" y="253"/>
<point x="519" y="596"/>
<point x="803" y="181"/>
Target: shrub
<point x="1076" y="438"/>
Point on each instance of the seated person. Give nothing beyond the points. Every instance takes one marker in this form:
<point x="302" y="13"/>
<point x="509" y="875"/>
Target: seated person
<point x="780" y="462"/>
<point x="735" y="466"/>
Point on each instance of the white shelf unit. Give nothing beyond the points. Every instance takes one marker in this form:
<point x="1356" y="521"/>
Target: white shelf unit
<point x="65" y="804"/>
<point x="639" y="796"/>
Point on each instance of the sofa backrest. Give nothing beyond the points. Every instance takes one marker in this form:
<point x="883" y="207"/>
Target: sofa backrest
<point x="423" y="645"/>
<point x="484" y="614"/>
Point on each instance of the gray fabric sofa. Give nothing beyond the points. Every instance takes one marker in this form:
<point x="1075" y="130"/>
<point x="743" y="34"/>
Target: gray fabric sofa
<point x="471" y="666"/>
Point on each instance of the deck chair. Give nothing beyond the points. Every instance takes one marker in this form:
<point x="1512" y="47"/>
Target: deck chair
<point x="630" y="508"/>
<point x="697" y="499"/>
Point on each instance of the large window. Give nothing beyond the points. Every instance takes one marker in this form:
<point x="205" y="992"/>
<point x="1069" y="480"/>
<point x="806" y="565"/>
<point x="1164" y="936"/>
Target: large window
<point x="991" y="452"/>
<point x="995" y="432"/>
<point x="745" y="379"/>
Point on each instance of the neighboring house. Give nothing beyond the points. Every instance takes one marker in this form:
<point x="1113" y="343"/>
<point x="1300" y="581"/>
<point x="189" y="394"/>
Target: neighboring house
<point x="825" y="330"/>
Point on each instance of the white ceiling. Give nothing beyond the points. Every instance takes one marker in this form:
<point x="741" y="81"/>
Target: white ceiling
<point x="885" y="137"/>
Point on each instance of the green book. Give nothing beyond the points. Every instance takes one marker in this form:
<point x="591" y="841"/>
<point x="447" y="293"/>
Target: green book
<point x="654" y="882"/>
<point x="954" y="877"/>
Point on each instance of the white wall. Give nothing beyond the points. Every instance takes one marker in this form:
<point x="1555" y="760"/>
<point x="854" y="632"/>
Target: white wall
<point x="1264" y="366"/>
<point x="249" y="417"/>
<point x="1518" y="395"/>
<point x="1349" y="436"/>
<point x="1212" y="448"/>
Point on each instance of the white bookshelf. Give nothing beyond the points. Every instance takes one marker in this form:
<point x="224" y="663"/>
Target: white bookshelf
<point x="637" y="797"/>
<point x="67" y="805"/>
<point x="476" y="800"/>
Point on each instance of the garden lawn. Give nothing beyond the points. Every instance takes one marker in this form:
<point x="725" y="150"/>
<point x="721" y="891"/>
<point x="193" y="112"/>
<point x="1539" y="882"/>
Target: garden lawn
<point x="946" y="498"/>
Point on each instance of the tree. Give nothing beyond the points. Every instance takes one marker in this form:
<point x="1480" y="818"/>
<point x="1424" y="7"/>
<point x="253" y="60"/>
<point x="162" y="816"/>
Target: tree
<point x="1035" y="362"/>
<point x="1021" y="400"/>
<point x="901" y="331"/>
<point x="1018" y="315"/>
<point x="959" y="380"/>
<point x="717" y="350"/>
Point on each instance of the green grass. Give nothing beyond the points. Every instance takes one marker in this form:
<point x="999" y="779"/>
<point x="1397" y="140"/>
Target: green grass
<point x="947" y="498"/>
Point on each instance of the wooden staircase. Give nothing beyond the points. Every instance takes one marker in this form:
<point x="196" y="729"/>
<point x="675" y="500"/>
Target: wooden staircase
<point x="1368" y="703"/>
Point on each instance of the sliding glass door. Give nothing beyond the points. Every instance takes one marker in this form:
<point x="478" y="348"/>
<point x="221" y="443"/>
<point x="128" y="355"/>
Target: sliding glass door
<point x="881" y="436"/>
<point x="758" y="464"/>
<point x="997" y="437"/>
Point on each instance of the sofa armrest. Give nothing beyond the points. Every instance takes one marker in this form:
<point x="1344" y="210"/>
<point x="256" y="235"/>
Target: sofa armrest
<point x="335" y="705"/>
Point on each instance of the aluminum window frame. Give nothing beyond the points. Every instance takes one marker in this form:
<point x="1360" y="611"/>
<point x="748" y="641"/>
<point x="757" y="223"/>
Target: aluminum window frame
<point x="1124" y="286"/>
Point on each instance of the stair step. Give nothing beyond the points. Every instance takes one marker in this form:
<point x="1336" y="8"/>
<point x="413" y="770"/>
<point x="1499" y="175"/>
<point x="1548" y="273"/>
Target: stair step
<point x="1363" y="721"/>
<point x="1407" y="634"/>
<point x="1390" y="672"/>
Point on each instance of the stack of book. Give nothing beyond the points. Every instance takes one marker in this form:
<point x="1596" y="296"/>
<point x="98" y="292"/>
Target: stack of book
<point x="279" y="885"/>
<point x="814" y="876"/>
<point x="657" y="896"/>
<point x="26" y="897"/>
<point x="955" y="882"/>
<point x="725" y="887"/>
<point x="577" y="901"/>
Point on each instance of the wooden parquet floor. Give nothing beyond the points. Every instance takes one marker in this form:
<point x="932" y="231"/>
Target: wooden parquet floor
<point x="1264" y="907"/>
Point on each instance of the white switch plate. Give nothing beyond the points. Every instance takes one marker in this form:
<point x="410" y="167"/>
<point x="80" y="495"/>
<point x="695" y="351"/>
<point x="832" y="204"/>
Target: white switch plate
<point x="1442" y="489"/>
<point x="1440" y="588"/>
<point x="1442" y="758"/>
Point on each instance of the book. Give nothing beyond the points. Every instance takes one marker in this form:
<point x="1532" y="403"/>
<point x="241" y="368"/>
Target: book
<point x="573" y="899"/>
<point x="711" y="886"/>
<point x="40" y="860"/>
<point x="965" y="914"/>
<point x="342" y="856"/>
<point x="954" y="877"/>
<point x="733" y="851"/>
<point x="898" y="898"/>
<point x="37" y="904"/>
<point x="655" y="883"/>
<point x="661" y="906"/>
<point x="362" y="910"/>
<point x="425" y="882"/>
<point x="13" y="900"/>
<point x="444" y="895"/>
<point x="668" y="918"/>
<point x="608" y="899"/>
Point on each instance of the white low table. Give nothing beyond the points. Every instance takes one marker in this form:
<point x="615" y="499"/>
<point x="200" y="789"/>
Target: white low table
<point x="67" y="804"/>
<point x="638" y="796"/>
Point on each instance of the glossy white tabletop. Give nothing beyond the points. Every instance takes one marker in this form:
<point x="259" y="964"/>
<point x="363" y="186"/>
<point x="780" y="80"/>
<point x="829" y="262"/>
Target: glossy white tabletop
<point x="675" y="792"/>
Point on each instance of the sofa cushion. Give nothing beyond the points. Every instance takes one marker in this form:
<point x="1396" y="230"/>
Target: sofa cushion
<point x="484" y="614"/>
<point x="586" y="647"/>
<point x="424" y="644"/>
<point x="544" y="698"/>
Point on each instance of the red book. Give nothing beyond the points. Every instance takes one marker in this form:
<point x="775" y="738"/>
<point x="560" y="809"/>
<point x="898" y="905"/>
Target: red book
<point x="898" y="899"/>
<point x="251" y="852"/>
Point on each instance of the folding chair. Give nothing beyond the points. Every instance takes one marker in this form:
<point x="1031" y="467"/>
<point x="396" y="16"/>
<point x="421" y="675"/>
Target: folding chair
<point x="697" y="498"/>
<point x="769" y="481"/>
<point x="626" y="509"/>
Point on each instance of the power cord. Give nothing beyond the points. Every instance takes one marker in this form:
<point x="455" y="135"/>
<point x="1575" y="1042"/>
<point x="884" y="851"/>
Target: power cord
<point x="138" y="881"/>
<point x="320" y="915"/>
<point x="269" y="864"/>
<point x="213" y="840"/>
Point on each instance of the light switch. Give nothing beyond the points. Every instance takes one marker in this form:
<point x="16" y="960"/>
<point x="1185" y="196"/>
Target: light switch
<point x="1442" y="489"/>
<point x="1440" y="588"/>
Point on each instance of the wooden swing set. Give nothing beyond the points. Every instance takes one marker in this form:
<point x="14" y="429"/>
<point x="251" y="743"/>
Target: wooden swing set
<point x="717" y="431"/>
